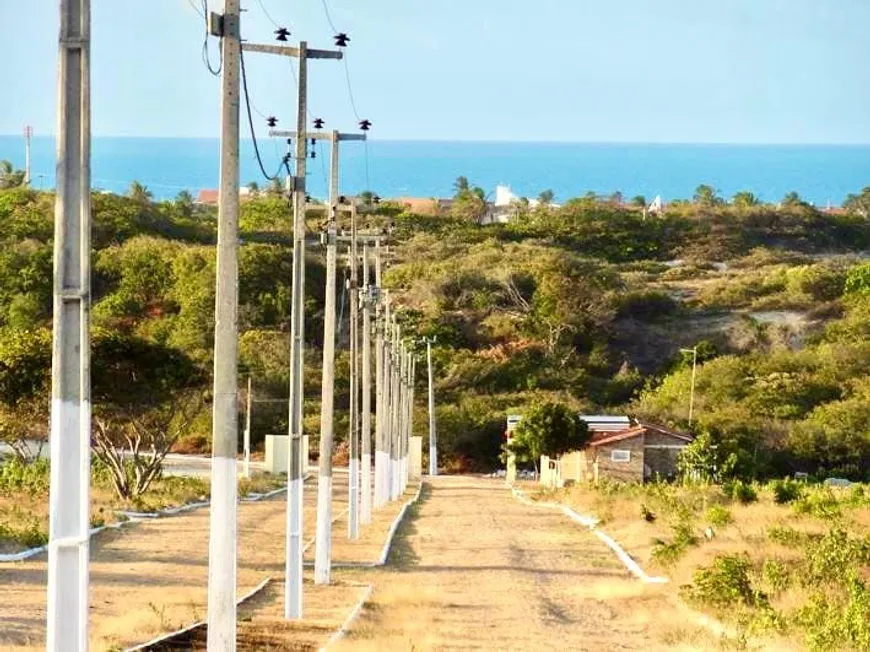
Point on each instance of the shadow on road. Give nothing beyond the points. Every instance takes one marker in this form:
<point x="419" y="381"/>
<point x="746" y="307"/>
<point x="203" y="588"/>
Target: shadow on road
<point x="402" y="555"/>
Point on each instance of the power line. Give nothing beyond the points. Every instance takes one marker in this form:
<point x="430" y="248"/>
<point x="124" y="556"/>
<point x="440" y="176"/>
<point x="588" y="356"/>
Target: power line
<point x="268" y="15"/>
<point x="206" y="57"/>
<point x="328" y="17"/>
<point x="197" y="9"/>
<point x="251" y="123"/>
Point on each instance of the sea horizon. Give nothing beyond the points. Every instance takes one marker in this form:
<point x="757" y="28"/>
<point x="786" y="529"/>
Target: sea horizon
<point x="821" y="173"/>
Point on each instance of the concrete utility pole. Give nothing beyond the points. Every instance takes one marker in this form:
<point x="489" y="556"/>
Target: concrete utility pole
<point x="399" y="394"/>
<point x="225" y="435"/>
<point x="28" y="135"/>
<point x="385" y="418"/>
<point x="353" y="481"/>
<point x="380" y="464"/>
<point x="366" y="421"/>
<point x="293" y="565"/>
<point x="247" y="444"/>
<point x="69" y="499"/>
<point x="433" y="441"/>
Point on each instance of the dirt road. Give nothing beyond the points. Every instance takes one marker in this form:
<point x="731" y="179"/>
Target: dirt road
<point x="473" y="568"/>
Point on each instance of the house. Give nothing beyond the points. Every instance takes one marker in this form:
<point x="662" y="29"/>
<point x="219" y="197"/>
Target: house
<point x="210" y="197"/>
<point x="423" y="205"/>
<point x="623" y="450"/>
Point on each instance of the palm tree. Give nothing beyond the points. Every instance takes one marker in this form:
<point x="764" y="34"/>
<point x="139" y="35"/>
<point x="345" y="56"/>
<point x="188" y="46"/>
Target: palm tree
<point x="706" y="196"/>
<point x="745" y="199"/>
<point x="546" y="197"/>
<point x="253" y="188"/>
<point x="9" y="176"/>
<point x="461" y="185"/>
<point x="140" y="193"/>
<point x="639" y="200"/>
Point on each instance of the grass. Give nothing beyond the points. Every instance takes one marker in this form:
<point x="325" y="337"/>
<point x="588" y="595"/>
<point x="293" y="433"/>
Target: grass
<point x="791" y="566"/>
<point x="24" y="500"/>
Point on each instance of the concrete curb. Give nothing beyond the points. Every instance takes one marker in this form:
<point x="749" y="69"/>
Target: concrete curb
<point x="385" y="553"/>
<point x="200" y="623"/>
<point x="138" y="517"/>
<point x="591" y="523"/>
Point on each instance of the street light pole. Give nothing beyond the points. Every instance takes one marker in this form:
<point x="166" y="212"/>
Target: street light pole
<point x="694" y="352"/>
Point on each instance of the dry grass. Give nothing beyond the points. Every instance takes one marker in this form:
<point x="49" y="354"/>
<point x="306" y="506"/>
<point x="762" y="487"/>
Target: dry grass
<point x="150" y="577"/>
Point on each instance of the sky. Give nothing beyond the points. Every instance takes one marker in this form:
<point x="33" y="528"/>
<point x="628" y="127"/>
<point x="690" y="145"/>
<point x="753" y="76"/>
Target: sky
<point x="706" y="71"/>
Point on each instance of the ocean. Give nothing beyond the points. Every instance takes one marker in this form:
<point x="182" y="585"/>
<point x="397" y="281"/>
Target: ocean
<point x="822" y="174"/>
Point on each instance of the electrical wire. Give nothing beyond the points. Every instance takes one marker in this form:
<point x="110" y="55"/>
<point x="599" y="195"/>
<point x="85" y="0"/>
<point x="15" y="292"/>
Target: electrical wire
<point x="197" y="9"/>
<point x="251" y="122"/>
<point x="328" y="17"/>
<point x="206" y="57"/>
<point x="350" y="87"/>
<point x="268" y="15"/>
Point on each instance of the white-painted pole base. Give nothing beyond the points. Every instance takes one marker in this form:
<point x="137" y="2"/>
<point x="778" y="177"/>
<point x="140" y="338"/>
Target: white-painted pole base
<point x="293" y="582"/>
<point x="365" y="505"/>
<point x="353" y="497"/>
<point x="323" y="536"/>
<point x="222" y="555"/>
<point x="381" y="496"/>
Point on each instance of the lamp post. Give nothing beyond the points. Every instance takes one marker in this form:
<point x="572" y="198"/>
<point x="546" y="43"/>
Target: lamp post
<point x="694" y="352"/>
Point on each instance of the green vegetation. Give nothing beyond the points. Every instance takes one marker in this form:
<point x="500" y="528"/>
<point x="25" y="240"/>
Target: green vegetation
<point x="585" y="305"/>
<point x="550" y="429"/>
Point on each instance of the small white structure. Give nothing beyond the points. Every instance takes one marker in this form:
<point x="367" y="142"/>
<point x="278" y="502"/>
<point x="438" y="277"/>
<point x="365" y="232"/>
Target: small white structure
<point x="506" y="206"/>
<point x="276" y="453"/>
<point x="415" y="472"/>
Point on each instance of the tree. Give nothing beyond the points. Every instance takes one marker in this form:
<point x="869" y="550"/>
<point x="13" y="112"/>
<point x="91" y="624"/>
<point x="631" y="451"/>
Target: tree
<point x="460" y="185"/>
<point x="253" y="187"/>
<point x="616" y="198"/>
<point x="276" y="187"/>
<point x="144" y="395"/>
<point x="745" y="199"/>
<point x="704" y="461"/>
<point x="10" y="177"/>
<point x="546" y="197"/>
<point x="25" y="367"/>
<point x="184" y="203"/>
<point x="470" y="204"/>
<point x="140" y="193"/>
<point x="367" y="197"/>
<point x="639" y="201"/>
<point x="793" y="199"/>
<point x="706" y="196"/>
<point x="551" y="429"/>
<point x="859" y="204"/>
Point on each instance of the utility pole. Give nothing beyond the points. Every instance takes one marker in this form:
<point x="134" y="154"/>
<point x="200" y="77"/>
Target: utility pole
<point x="28" y="135"/>
<point x="433" y="442"/>
<point x="366" y="501"/>
<point x="323" y="554"/>
<point x="293" y="564"/>
<point x="247" y="444"/>
<point x="694" y="352"/>
<point x="398" y="383"/>
<point x="380" y="466"/>
<point x="225" y="436"/>
<point x="353" y="480"/>
<point x="387" y="399"/>
<point x="69" y="499"/>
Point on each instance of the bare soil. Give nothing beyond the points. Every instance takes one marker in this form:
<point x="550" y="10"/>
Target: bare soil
<point x="473" y="568"/>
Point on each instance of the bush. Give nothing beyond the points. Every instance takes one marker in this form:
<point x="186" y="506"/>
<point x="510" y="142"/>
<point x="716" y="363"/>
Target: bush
<point x="829" y="558"/>
<point x="668" y="552"/>
<point x="22" y="528"/>
<point x="787" y="536"/>
<point x="719" y="516"/>
<point x="786" y="491"/>
<point x="31" y="477"/>
<point x="821" y="503"/>
<point x="839" y="622"/>
<point x="724" y="584"/>
<point x="742" y="492"/>
<point x="776" y="575"/>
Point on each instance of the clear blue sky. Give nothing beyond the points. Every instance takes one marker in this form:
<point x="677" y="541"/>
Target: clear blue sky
<point x="793" y="71"/>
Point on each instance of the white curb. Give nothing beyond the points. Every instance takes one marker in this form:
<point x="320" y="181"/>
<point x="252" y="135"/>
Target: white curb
<point x="591" y="523"/>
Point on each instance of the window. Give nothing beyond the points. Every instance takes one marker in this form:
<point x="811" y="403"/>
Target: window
<point x="620" y="456"/>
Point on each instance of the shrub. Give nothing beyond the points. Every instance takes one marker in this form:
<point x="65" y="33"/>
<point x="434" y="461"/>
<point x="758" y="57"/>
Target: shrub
<point x="829" y="557"/>
<point x="724" y="584"/>
<point x="32" y="477"/>
<point x="787" y="536"/>
<point x="23" y="528"/>
<point x="668" y="552"/>
<point x="786" y="491"/>
<point x="821" y="503"/>
<point x="742" y="492"/>
<point x="719" y="516"/>
<point x="776" y="575"/>
<point x="837" y="622"/>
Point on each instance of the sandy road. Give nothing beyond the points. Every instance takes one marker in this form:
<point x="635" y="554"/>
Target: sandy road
<point x="475" y="569"/>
